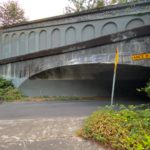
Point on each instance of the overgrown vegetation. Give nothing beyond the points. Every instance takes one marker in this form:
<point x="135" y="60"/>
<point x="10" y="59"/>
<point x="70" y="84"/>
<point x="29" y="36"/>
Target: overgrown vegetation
<point x="146" y="89"/>
<point x="119" y="127"/>
<point x="11" y="13"/>
<point x="81" y="5"/>
<point x="61" y="98"/>
<point x="8" y="92"/>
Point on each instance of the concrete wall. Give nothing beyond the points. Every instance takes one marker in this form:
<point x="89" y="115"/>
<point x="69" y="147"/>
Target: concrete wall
<point x="68" y="29"/>
<point x="63" y="88"/>
<point x="49" y="74"/>
<point x="22" y="70"/>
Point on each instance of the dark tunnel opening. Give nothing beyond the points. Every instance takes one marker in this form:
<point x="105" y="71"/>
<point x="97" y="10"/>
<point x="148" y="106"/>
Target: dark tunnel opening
<point x="87" y="80"/>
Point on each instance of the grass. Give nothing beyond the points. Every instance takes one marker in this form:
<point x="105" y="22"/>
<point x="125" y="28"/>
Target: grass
<point x="120" y="127"/>
<point x="60" y="98"/>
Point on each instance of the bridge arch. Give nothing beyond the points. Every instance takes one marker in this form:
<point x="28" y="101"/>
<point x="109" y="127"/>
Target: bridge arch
<point x="88" y="32"/>
<point x="55" y="38"/>
<point x="32" y="41"/>
<point x="43" y="39"/>
<point x="22" y="43"/>
<point x="135" y="23"/>
<point x="70" y="35"/>
<point x="85" y="80"/>
<point x="64" y="80"/>
<point x="14" y="45"/>
<point x="6" y="51"/>
<point x="108" y="28"/>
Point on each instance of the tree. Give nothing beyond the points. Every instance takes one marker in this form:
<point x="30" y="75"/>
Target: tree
<point x="80" y="5"/>
<point x="11" y="13"/>
<point x="122" y="1"/>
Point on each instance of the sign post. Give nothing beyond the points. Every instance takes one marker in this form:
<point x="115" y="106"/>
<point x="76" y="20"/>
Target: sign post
<point x="114" y="76"/>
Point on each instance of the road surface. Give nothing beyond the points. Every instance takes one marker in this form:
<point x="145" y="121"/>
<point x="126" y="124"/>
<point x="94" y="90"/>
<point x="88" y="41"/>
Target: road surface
<point x="29" y="110"/>
<point x="46" y="125"/>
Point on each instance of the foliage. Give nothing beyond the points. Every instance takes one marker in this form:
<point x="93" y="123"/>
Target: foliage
<point x="61" y="98"/>
<point x="5" y="83"/>
<point x="123" y="128"/>
<point x="146" y="89"/>
<point x="80" y="5"/>
<point x="8" y="92"/>
<point x="11" y="13"/>
<point x="122" y="1"/>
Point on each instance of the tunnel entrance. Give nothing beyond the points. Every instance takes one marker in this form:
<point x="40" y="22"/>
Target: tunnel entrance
<point x="87" y="80"/>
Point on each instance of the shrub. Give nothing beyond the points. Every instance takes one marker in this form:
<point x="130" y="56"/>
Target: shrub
<point x="146" y="89"/>
<point x="126" y="129"/>
<point x="7" y="91"/>
<point x="5" y="83"/>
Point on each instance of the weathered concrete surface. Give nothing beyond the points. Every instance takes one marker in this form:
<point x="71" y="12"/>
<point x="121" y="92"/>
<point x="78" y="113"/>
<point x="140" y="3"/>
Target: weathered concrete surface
<point x="25" y="68"/>
<point x="103" y="54"/>
<point x="68" y="29"/>
<point x="43" y="134"/>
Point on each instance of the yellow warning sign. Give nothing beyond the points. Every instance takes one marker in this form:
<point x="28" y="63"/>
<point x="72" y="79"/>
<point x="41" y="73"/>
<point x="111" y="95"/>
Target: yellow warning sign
<point x="141" y="56"/>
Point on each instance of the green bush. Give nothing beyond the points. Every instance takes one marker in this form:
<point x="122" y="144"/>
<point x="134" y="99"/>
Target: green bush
<point x="8" y="92"/>
<point x="125" y="129"/>
<point x="5" y="83"/>
<point x="146" y="89"/>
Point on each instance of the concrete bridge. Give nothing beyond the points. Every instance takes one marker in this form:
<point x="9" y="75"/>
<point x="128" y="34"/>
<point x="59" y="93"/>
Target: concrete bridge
<point x="73" y="54"/>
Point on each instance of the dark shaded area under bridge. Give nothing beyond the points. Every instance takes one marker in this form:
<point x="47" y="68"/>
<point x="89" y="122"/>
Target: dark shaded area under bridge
<point x="87" y="80"/>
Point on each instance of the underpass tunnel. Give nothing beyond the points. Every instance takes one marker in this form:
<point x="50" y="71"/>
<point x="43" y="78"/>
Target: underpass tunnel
<point x="87" y="80"/>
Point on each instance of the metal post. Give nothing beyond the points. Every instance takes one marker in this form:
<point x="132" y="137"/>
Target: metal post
<point x="113" y="86"/>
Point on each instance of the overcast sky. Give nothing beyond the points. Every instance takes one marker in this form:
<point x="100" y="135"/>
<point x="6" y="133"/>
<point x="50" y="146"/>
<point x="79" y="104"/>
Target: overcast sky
<point x="37" y="9"/>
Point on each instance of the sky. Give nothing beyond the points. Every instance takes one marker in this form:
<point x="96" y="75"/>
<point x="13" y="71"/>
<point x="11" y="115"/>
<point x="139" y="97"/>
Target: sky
<point x="37" y="9"/>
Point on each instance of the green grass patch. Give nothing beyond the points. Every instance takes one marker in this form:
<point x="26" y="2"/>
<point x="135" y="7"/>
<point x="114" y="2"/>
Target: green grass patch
<point x="61" y="98"/>
<point x="119" y="127"/>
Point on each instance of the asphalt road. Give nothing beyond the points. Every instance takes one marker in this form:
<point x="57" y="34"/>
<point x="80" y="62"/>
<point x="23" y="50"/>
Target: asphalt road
<point x="29" y="110"/>
<point x="47" y="125"/>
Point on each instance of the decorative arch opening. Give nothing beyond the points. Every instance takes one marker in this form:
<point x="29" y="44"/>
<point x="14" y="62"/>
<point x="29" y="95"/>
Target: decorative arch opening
<point x="22" y="43"/>
<point x="109" y="28"/>
<point x="88" y="32"/>
<point x="6" y="52"/>
<point x="70" y="35"/>
<point x="134" y="23"/>
<point x="32" y="41"/>
<point x="14" y="48"/>
<point x="56" y="38"/>
<point x="43" y="40"/>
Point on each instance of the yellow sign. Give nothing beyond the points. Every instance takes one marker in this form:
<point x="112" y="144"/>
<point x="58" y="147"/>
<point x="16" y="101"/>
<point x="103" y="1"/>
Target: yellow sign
<point x="141" y="56"/>
<point x="116" y="59"/>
